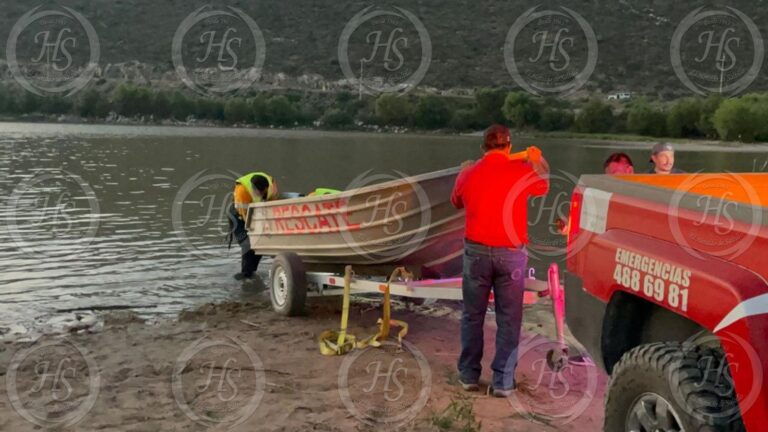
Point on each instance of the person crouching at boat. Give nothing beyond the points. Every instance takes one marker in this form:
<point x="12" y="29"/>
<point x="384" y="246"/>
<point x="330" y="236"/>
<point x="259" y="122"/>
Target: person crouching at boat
<point x="494" y="192"/>
<point x="250" y="188"/>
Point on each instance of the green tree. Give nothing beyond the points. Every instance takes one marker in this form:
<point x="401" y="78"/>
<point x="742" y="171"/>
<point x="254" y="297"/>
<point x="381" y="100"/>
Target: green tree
<point x="432" y="112"/>
<point x="366" y="112"/>
<point x="280" y="111"/>
<point x="208" y="108"/>
<point x="465" y="119"/>
<point x="161" y="105"/>
<point x="521" y="110"/>
<point x="489" y="104"/>
<point x="683" y="118"/>
<point x="337" y="118"/>
<point x="181" y="106"/>
<point x="735" y="120"/>
<point x="646" y="119"/>
<point x="344" y="98"/>
<point x="555" y="119"/>
<point x="759" y="106"/>
<point x="706" y="122"/>
<point x="30" y="103"/>
<point x="7" y="100"/>
<point x="259" y="110"/>
<point x="92" y="104"/>
<point x="56" y="104"/>
<point x="132" y="101"/>
<point x="237" y="110"/>
<point x="595" y="117"/>
<point x="307" y="113"/>
<point x="393" y="110"/>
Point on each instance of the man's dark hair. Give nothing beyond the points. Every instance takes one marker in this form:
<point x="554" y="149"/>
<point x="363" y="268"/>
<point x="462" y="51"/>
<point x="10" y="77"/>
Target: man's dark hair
<point x="618" y="157"/>
<point x="260" y="183"/>
<point x="496" y="137"/>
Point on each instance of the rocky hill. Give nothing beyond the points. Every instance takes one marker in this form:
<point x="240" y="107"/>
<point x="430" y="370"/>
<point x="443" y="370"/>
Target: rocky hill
<point x="467" y="37"/>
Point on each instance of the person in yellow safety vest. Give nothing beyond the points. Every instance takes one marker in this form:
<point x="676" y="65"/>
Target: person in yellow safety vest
<point x="251" y="188"/>
<point x="323" y="191"/>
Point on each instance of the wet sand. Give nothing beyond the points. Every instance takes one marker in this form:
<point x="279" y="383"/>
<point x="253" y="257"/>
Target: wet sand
<point x="239" y="366"/>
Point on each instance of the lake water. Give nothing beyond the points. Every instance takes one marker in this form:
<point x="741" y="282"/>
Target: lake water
<point x="131" y="216"/>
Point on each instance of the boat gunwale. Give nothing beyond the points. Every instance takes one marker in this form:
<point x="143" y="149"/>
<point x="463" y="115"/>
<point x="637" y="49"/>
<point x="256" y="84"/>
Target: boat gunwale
<point x="418" y="179"/>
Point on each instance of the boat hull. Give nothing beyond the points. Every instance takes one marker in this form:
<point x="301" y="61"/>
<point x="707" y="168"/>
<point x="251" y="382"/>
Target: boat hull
<point x="408" y="221"/>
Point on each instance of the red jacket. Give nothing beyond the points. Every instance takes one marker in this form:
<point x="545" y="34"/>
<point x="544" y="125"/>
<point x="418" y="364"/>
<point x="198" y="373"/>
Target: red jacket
<point x="495" y="191"/>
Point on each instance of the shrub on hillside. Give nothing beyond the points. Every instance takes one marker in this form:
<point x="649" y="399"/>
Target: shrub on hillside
<point x="393" y="110"/>
<point x="92" y="104"/>
<point x="344" y="97"/>
<point x="465" y="119"/>
<point x="683" y="118"/>
<point x="521" y="110"/>
<point x="132" y="101"/>
<point x="30" y="103"/>
<point x="555" y="119"/>
<point x="758" y="103"/>
<point x="182" y="106"/>
<point x="432" y="112"/>
<point x="706" y="123"/>
<point x="237" y="110"/>
<point x="336" y="118"/>
<point x="489" y="104"/>
<point x="209" y="108"/>
<point x="7" y="101"/>
<point x="595" y="117"/>
<point x="258" y="105"/>
<point x="736" y="120"/>
<point x="646" y="119"/>
<point x="280" y="111"/>
<point x="56" y="104"/>
<point x="161" y="105"/>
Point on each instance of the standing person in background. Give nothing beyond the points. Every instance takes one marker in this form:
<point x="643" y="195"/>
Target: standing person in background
<point x="618" y="163"/>
<point x="251" y="188"/>
<point x="494" y="253"/>
<point x="663" y="159"/>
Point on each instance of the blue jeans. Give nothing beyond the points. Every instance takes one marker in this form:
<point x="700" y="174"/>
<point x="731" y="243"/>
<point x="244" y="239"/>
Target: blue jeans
<point x="502" y="270"/>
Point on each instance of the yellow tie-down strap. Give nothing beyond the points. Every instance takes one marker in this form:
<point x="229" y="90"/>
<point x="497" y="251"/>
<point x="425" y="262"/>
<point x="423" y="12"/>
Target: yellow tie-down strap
<point x="333" y="343"/>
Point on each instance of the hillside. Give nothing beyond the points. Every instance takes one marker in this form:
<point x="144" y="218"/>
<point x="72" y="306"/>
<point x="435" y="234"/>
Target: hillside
<point x="467" y="36"/>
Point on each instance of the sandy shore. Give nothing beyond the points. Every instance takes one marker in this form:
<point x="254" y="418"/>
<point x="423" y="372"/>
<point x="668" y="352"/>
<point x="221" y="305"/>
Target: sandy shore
<point x="241" y="367"/>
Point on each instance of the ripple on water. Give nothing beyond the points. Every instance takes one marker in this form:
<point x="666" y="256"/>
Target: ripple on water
<point x="51" y="261"/>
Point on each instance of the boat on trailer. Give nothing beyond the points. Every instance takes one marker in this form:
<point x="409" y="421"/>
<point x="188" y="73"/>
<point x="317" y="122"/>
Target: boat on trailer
<point x="405" y="226"/>
<point x="408" y="221"/>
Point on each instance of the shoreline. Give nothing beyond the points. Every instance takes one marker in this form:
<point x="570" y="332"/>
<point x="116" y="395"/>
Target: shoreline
<point x="137" y="366"/>
<point x="575" y="137"/>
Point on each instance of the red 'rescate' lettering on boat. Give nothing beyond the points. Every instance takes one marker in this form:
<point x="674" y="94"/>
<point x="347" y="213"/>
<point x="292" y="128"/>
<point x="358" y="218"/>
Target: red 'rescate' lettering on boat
<point x="309" y="218"/>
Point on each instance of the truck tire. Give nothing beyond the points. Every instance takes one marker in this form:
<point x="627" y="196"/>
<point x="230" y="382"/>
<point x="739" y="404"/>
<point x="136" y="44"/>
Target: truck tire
<point x="671" y="374"/>
<point x="288" y="285"/>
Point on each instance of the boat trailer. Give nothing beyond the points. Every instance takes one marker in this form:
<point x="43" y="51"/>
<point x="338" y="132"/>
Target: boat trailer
<point x="290" y="285"/>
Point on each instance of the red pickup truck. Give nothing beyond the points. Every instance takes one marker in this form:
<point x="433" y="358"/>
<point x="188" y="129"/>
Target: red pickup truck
<point x="666" y="288"/>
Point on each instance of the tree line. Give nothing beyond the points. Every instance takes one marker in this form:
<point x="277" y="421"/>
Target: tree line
<point x="713" y="117"/>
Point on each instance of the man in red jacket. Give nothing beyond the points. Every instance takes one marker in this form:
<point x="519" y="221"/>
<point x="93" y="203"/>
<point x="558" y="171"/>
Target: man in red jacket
<point x="494" y="192"/>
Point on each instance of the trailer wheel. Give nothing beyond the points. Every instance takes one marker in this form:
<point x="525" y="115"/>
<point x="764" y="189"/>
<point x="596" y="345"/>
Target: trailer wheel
<point x="666" y="386"/>
<point x="288" y="285"/>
